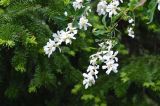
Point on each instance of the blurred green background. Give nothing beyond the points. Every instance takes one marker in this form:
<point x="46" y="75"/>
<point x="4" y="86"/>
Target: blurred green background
<point x="30" y="78"/>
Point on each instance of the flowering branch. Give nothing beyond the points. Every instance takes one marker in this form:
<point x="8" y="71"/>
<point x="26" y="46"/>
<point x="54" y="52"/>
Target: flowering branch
<point x="105" y="58"/>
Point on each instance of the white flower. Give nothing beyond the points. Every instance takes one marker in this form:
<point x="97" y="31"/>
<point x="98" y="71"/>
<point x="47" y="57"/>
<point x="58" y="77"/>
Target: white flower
<point x="131" y="21"/>
<point x="90" y="76"/>
<point x="106" y="45"/>
<point x="78" y="4"/>
<point x="109" y="59"/>
<point x="109" y="45"/>
<point x="110" y="55"/>
<point x="83" y="23"/>
<point x="50" y="47"/>
<point x="113" y="7"/>
<point x="93" y="70"/>
<point x="158" y="1"/>
<point x="101" y="7"/>
<point x="65" y="13"/>
<point x="113" y="55"/>
<point x="66" y="37"/>
<point x="71" y="29"/>
<point x="88" y="80"/>
<point x="102" y="45"/>
<point x="110" y="66"/>
<point x="106" y="57"/>
<point x="57" y="38"/>
<point x="97" y="56"/>
<point x="93" y="61"/>
<point x="131" y="32"/>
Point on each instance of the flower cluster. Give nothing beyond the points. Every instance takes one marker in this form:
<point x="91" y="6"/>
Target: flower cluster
<point x="107" y="59"/>
<point x="60" y="37"/>
<point x="130" y="29"/>
<point x="69" y="33"/>
<point x="103" y="8"/>
<point x="83" y="21"/>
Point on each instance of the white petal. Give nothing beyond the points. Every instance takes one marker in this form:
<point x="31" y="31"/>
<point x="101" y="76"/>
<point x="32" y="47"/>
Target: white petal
<point x="159" y="6"/>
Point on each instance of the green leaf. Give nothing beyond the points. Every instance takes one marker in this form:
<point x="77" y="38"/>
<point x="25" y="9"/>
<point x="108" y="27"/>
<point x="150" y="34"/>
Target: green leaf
<point x="152" y="6"/>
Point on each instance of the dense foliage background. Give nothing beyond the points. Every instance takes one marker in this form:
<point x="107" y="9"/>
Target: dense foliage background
<point x="30" y="78"/>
